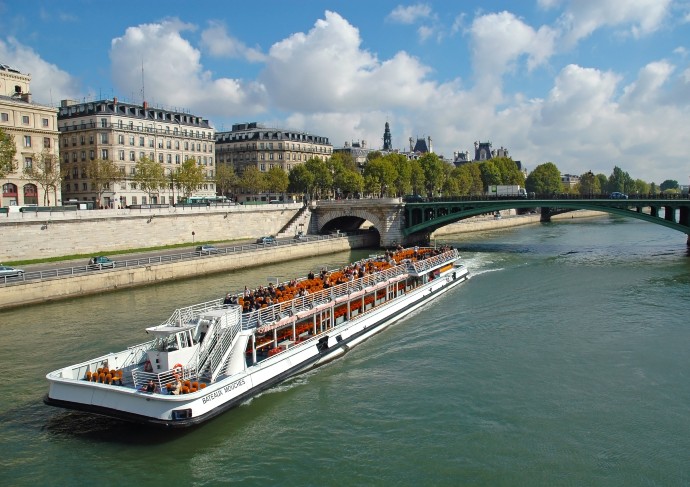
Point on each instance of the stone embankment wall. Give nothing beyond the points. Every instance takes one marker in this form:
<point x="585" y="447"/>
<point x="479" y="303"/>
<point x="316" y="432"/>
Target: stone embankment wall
<point x="34" y="235"/>
<point x="485" y="223"/>
<point x="109" y="280"/>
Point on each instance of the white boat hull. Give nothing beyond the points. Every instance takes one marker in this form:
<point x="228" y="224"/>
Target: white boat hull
<point x="177" y="411"/>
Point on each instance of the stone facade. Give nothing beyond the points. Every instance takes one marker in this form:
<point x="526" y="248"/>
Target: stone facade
<point x="34" y="129"/>
<point x="125" y="133"/>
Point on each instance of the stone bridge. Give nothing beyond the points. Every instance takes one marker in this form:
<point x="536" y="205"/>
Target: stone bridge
<point x="410" y="223"/>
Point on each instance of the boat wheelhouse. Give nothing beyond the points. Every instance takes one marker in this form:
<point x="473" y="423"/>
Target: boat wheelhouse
<point x="211" y="356"/>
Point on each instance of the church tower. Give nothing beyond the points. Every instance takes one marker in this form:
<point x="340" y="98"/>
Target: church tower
<point x="387" y="143"/>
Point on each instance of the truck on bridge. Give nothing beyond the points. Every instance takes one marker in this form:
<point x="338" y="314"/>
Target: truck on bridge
<point x="506" y="190"/>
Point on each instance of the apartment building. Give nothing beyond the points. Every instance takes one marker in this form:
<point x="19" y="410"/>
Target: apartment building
<point x="125" y="133"/>
<point x="252" y="144"/>
<point x="34" y="129"/>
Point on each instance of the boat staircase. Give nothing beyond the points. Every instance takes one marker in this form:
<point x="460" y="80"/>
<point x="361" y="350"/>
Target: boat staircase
<point x="213" y="359"/>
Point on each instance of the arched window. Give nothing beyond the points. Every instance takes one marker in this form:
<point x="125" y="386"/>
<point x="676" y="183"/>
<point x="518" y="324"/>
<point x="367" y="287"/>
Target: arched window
<point x="9" y="194"/>
<point x="30" y="194"/>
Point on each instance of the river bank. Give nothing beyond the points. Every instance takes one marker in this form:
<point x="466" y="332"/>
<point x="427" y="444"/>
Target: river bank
<point x="507" y="220"/>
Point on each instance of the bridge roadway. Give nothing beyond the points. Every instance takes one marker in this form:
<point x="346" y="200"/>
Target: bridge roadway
<point x="410" y="223"/>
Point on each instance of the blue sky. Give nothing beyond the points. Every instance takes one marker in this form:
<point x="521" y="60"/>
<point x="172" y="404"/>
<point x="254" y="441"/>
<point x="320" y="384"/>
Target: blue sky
<point x="586" y="84"/>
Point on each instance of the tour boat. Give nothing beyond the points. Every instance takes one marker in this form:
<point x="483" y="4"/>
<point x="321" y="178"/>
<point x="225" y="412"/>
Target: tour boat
<point x="212" y="356"/>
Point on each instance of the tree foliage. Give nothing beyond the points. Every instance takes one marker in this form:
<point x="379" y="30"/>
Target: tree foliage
<point x="669" y="184"/>
<point x="189" y="177"/>
<point x="323" y="179"/>
<point x="301" y="180"/>
<point x="252" y="180"/>
<point x="149" y="176"/>
<point x="226" y="179"/>
<point x="544" y="180"/>
<point x="102" y="173"/>
<point x="433" y="172"/>
<point x="44" y="171"/>
<point x="589" y="185"/>
<point x="8" y="150"/>
<point x="276" y="180"/>
<point x="379" y="176"/>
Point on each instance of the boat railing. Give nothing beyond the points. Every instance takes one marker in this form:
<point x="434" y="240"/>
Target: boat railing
<point x="311" y="301"/>
<point x="189" y="313"/>
<point x="421" y="266"/>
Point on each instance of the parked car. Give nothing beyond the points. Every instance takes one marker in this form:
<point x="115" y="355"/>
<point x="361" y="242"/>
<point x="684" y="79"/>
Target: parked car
<point x="266" y="240"/>
<point x="618" y="196"/>
<point x="7" y="271"/>
<point x="207" y="249"/>
<point x="101" y="262"/>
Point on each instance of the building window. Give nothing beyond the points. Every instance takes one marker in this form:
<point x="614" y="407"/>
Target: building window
<point x="132" y="171"/>
<point x="262" y="167"/>
<point x="131" y="140"/>
<point x="131" y="156"/>
<point x="28" y="163"/>
<point x="45" y="122"/>
<point x="177" y="145"/>
<point x="104" y="138"/>
<point x="84" y="186"/>
<point x="90" y="139"/>
<point x="160" y="158"/>
<point x="46" y="142"/>
<point x="83" y="155"/>
<point x="177" y="158"/>
<point x="92" y="155"/>
<point x="120" y="139"/>
<point x="27" y="141"/>
<point x="141" y="142"/>
<point x="104" y="154"/>
<point x="75" y="173"/>
<point x="152" y="143"/>
<point x="121" y="155"/>
<point x="5" y="117"/>
<point x="134" y="200"/>
<point x="25" y="120"/>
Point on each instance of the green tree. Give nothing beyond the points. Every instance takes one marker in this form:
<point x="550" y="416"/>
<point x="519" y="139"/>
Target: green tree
<point x="603" y="181"/>
<point x="509" y="171"/>
<point x="276" y="180"/>
<point x="383" y="172"/>
<point x="102" y="173"/>
<point x="589" y="185"/>
<point x="44" y="171"/>
<point x="490" y="173"/>
<point x="253" y="180"/>
<point x="545" y="179"/>
<point x="653" y="188"/>
<point x="323" y="179"/>
<point x="349" y="181"/>
<point x="433" y="172"/>
<point x="149" y="176"/>
<point x="417" y="178"/>
<point x="619" y="180"/>
<point x="8" y="150"/>
<point x="403" y="169"/>
<point x="641" y="187"/>
<point x="451" y="183"/>
<point x="226" y="179"/>
<point x="189" y="177"/>
<point x="301" y="180"/>
<point x="669" y="184"/>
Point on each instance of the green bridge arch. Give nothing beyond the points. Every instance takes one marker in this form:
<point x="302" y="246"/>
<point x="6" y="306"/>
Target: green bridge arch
<point x="429" y="216"/>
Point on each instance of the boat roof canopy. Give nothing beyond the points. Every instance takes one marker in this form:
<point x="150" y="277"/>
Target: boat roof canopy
<point x="163" y="331"/>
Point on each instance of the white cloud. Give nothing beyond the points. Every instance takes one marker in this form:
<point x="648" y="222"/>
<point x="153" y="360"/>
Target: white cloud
<point x="409" y="14"/>
<point x="49" y="84"/>
<point x="174" y="75"/>
<point x="646" y="90"/>
<point x="219" y="43"/>
<point x="425" y="32"/>
<point x="325" y="70"/>
<point x="640" y="17"/>
<point x="498" y="40"/>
